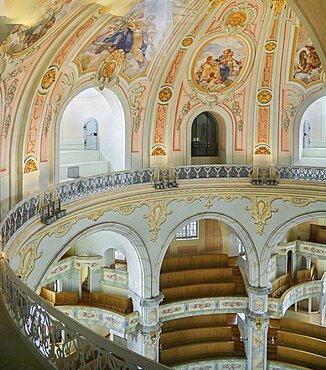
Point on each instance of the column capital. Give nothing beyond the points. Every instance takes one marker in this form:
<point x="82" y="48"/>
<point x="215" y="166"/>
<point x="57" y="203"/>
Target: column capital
<point x="258" y="299"/>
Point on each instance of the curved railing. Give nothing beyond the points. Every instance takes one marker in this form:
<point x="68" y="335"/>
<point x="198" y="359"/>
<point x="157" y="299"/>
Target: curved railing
<point x="62" y="341"/>
<point x="316" y="288"/>
<point x="29" y="208"/>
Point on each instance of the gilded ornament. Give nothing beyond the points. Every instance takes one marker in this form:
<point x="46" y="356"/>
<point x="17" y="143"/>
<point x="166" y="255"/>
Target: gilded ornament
<point x="262" y="150"/>
<point x="264" y="96"/>
<point x="165" y="94"/>
<point x="236" y="19"/>
<point x="48" y="79"/>
<point x="158" y="151"/>
<point x="187" y="41"/>
<point x="270" y="46"/>
<point x="30" y="166"/>
<point x="261" y="210"/>
<point x="156" y="216"/>
<point x="215" y="3"/>
<point x="109" y="69"/>
<point x="278" y="5"/>
<point x="96" y="214"/>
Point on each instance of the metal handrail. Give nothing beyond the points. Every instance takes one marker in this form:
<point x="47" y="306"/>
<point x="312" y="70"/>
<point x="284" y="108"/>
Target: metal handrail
<point x="64" y="342"/>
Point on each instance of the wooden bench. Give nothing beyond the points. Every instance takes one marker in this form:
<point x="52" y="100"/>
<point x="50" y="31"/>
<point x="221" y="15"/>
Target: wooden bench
<point x="216" y="320"/>
<point x="195" y="335"/>
<point x="198" y="291"/>
<point x="111" y="302"/>
<point x="303" y="276"/>
<point x="302" y="342"/>
<point x="302" y="358"/>
<point x="60" y="298"/>
<point x="187" y="277"/>
<point x="193" y="262"/>
<point x="303" y="328"/>
<point x="280" y="285"/>
<point x="196" y="352"/>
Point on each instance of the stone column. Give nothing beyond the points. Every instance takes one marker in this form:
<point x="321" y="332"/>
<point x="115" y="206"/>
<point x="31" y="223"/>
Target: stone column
<point x="146" y="340"/>
<point x="257" y="322"/>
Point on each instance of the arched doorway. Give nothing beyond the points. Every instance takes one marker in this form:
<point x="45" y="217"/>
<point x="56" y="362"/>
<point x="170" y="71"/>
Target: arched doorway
<point x="312" y="138"/>
<point x="92" y="135"/>
<point x="205" y="139"/>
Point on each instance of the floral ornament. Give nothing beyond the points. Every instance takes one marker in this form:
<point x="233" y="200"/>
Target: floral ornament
<point x="264" y="96"/>
<point x="165" y="94"/>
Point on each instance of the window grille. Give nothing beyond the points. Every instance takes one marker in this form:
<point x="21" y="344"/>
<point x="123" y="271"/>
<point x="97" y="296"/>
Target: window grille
<point x="190" y="231"/>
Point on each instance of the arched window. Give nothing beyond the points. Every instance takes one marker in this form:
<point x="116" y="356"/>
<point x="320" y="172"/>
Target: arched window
<point x="204" y="136"/>
<point x="313" y="134"/>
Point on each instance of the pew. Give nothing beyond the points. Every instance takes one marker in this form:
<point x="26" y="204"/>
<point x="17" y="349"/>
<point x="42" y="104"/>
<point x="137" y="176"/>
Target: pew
<point x="111" y="302"/>
<point x="198" y="291"/>
<point x="301" y="358"/>
<point x="188" y="277"/>
<point x="216" y="320"/>
<point x="60" y="298"/>
<point x="303" y="328"/>
<point x="280" y="285"/>
<point x="190" y="262"/>
<point x="302" y="342"/>
<point x="196" y="352"/>
<point x="195" y="335"/>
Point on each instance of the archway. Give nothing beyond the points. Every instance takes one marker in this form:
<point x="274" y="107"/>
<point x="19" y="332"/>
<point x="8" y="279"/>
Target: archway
<point x="221" y="143"/>
<point x="92" y="135"/>
<point x="313" y="134"/>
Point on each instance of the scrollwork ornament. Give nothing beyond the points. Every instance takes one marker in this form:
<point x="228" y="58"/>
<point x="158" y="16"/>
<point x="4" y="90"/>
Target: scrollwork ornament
<point x="11" y="92"/>
<point x="6" y="126"/>
<point x="135" y="106"/>
<point x="96" y="214"/>
<point x="27" y="257"/>
<point x="261" y="210"/>
<point x="299" y="201"/>
<point x="157" y="215"/>
<point x="236" y="19"/>
<point x="106" y="74"/>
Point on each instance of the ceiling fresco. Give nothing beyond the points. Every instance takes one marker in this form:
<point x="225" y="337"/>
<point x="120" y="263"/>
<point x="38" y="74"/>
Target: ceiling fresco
<point x="137" y="35"/>
<point x="306" y="65"/>
<point x="44" y="18"/>
<point x="219" y="63"/>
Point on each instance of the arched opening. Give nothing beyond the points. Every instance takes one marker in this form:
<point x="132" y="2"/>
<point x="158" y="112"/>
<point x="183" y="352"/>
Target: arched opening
<point x="92" y="135"/>
<point x="201" y="262"/>
<point x="312" y="138"/>
<point x="207" y="140"/>
<point x="289" y="263"/>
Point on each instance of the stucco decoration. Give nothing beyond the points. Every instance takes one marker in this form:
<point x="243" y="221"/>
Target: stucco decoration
<point x="261" y="210"/>
<point x="156" y="216"/>
<point x="27" y="256"/>
<point x="236" y="19"/>
<point x="306" y="65"/>
<point x="219" y="64"/>
<point x="135" y="106"/>
<point x="263" y="149"/>
<point x="165" y="94"/>
<point x="11" y="92"/>
<point x="6" y="125"/>
<point x="264" y="96"/>
<point x="158" y="151"/>
<point x="137" y="35"/>
<point x="30" y="165"/>
<point x="48" y="79"/>
<point x="46" y="15"/>
<point x="106" y="74"/>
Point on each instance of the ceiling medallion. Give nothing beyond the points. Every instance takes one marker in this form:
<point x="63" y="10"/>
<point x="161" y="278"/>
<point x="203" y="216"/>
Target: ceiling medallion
<point x="187" y="41"/>
<point x="236" y="19"/>
<point x="270" y="46"/>
<point x="264" y="96"/>
<point x="165" y="94"/>
<point x="48" y="79"/>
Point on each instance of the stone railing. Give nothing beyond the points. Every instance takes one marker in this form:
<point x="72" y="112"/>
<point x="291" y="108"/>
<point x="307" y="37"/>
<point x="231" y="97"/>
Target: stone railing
<point x="63" y="342"/>
<point x="28" y="209"/>
<point x="227" y="364"/>
<point x="278" y="307"/>
<point x="122" y="324"/>
<point x="202" y="306"/>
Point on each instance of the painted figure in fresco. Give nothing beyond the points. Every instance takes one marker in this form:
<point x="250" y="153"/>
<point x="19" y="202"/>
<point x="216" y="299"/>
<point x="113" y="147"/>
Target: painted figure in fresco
<point x="218" y="73"/>
<point x="131" y="39"/>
